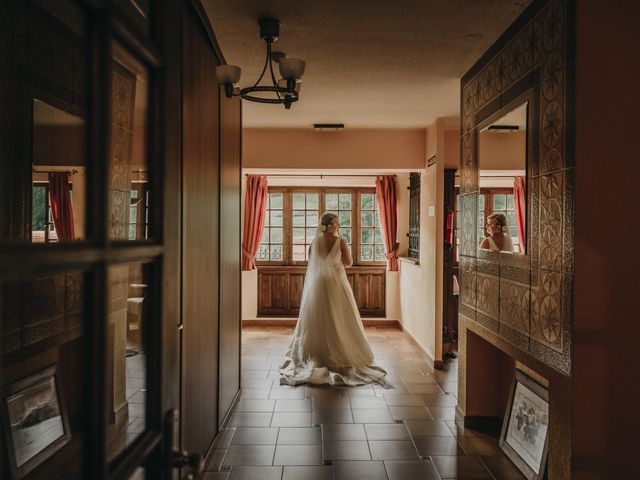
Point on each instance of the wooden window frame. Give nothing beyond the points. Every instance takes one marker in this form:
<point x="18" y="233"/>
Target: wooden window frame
<point x="415" y="181"/>
<point x="321" y="191"/>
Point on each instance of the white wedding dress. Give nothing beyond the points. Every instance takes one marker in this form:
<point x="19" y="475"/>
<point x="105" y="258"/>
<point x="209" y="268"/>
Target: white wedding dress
<point x="329" y="344"/>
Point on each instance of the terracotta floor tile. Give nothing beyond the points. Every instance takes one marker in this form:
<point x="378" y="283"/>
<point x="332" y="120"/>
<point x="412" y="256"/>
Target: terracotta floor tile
<point x="298" y="455"/>
<point x="461" y="467"/>
<point x="386" y="431"/>
<point x="411" y="470"/>
<point x="345" y="431"/>
<point x="393" y="450"/>
<point x="501" y="467"/>
<point x="410" y="413"/>
<point x="255" y="393"/>
<point x="255" y="473"/>
<point x="249" y="455"/>
<point x="241" y="419"/>
<point x="300" y="436"/>
<point x="294" y="405"/>
<point x="374" y="415"/>
<point x="346" y="450"/>
<point x="308" y="473"/>
<point x="360" y="469"/>
<point x="291" y="420"/>
<point x="291" y="393"/>
<point x="255" y="436"/>
<point x="438" y="446"/>
<point x="248" y="405"/>
<point x="428" y="428"/>
<point x="332" y="415"/>
<point x="404" y="400"/>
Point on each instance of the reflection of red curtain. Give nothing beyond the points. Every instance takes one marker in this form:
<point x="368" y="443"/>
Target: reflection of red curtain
<point x="255" y="207"/>
<point x="520" y="201"/>
<point x="61" y="208"/>
<point x="387" y="209"/>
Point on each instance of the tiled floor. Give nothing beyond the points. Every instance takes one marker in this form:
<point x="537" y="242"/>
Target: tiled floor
<point x="317" y="433"/>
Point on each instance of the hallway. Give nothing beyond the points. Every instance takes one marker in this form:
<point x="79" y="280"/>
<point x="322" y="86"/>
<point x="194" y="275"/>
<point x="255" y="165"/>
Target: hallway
<point x="316" y="433"/>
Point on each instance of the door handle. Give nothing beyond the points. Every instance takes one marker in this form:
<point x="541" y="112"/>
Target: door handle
<point x="175" y="457"/>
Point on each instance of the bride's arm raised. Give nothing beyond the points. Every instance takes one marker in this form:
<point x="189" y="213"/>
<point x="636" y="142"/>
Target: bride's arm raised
<point x="346" y="253"/>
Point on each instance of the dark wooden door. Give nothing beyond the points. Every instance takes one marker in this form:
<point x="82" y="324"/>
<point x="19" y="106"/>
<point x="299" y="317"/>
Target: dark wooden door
<point x="93" y="237"/>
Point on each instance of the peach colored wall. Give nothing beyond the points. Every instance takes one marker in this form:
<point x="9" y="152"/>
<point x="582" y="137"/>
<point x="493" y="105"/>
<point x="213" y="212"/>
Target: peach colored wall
<point x="502" y="151"/>
<point x="606" y="391"/>
<point x="305" y="148"/>
<point x="452" y="148"/>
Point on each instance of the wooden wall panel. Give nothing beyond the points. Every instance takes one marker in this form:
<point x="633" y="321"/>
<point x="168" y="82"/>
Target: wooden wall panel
<point x="200" y="233"/>
<point x="230" y="259"/>
<point x="280" y="290"/>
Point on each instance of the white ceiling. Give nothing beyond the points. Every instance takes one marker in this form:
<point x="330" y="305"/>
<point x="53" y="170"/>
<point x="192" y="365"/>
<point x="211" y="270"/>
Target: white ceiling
<point x="370" y="63"/>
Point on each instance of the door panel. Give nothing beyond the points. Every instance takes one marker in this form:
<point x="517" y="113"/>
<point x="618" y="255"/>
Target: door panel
<point x="200" y="245"/>
<point x="230" y="258"/>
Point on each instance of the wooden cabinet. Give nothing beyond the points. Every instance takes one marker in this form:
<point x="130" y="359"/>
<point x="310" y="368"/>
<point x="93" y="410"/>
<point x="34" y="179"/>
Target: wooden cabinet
<point x="280" y="290"/>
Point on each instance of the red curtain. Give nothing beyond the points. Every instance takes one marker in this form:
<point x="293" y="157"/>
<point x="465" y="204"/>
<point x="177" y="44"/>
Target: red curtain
<point x="388" y="212"/>
<point x="61" y="208"/>
<point x="520" y="201"/>
<point x="255" y="207"/>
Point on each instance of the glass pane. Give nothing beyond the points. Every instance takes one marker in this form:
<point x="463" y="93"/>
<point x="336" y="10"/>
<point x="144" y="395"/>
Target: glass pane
<point x="331" y="201"/>
<point x="366" y="219"/>
<point x="299" y="253"/>
<point x="345" y="201"/>
<point x="263" y="252"/>
<point x="511" y="222"/>
<point x="133" y="214"/>
<point x="367" y="201"/>
<point x="312" y="201"/>
<point x="379" y="253"/>
<point x="276" y="252"/>
<point x="276" y="235"/>
<point x="132" y="232"/>
<point x="510" y="202"/>
<point x="367" y="235"/>
<point x="346" y="234"/>
<point x="378" y="238"/>
<point x="59" y="168"/>
<point x="499" y="202"/>
<point x="128" y="159"/>
<point x="376" y="219"/>
<point x="298" y="201"/>
<point x="44" y="396"/>
<point x="129" y="303"/>
<point x="345" y="218"/>
<point x="276" y="218"/>
<point x="266" y="219"/>
<point x="298" y="218"/>
<point x="481" y="202"/>
<point x="311" y="233"/>
<point x="312" y="218"/>
<point x="366" y="253"/>
<point x="265" y="236"/>
<point x="298" y="235"/>
<point x="276" y="201"/>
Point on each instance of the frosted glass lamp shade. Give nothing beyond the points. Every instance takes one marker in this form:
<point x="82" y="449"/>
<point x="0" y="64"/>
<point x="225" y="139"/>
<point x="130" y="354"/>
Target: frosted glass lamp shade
<point x="228" y="74"/>
<point x="283" y="83"/>
<point x="291" y="67"/>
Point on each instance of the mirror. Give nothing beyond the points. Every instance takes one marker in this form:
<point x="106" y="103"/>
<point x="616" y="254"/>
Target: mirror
<point x="58" y="183"/>
<point x="502" y="202"/>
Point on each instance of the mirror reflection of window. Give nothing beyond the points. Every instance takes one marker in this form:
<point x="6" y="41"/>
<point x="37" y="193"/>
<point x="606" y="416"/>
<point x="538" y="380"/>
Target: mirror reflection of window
<point x="502" y="159"/>
<point x="58" y="191"/>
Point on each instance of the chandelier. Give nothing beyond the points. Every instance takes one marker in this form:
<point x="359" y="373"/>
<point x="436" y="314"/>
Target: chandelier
<point x="284" y="91"/>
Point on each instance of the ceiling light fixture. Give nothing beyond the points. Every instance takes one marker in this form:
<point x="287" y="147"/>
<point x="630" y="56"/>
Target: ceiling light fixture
<point x="284" y="91"/>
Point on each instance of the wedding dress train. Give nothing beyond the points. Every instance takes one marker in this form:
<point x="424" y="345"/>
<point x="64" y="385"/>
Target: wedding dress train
<point x="329" y="344"/>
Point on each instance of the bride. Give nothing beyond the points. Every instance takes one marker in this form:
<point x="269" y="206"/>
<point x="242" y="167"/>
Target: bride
<point x="329" y="344"/>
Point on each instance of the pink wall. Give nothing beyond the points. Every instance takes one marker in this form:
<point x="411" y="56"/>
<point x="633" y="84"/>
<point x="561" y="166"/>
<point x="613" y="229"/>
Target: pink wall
<point x="305" y="148"/>
<point x="502" y="151"/>
<point x="452" y="148"/>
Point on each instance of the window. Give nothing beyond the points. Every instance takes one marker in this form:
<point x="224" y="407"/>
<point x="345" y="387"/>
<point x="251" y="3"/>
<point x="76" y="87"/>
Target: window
<point x="271" y="247"/>
<point x="414" y="215"/>
<point x="42" y="227"/>
<point x="292" y="221"/>
<point x="139" y="211"/>
<point x="498" y="200"/>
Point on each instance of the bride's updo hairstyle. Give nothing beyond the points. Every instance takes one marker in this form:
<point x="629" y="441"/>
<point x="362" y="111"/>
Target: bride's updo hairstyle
<point x="326" y="219"/>
<point x="501" y="221"/>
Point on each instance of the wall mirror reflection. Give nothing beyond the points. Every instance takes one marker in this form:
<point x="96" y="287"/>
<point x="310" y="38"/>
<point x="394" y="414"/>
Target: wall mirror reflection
<point x="502" y="161"/>
<point x="58" y="183"/>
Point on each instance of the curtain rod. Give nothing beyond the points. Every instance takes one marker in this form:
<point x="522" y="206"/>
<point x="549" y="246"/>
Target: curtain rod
<point x="70" y="172"/>
<point x="318" y="175"/>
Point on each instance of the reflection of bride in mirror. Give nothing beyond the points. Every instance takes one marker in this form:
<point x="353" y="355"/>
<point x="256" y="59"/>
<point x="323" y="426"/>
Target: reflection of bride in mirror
<point x="329" y="344"/>
<point x="499" y="239"/>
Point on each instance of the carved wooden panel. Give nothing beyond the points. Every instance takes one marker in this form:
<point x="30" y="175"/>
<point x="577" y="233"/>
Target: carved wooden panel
<point x="526" y="299"/>
<point x="280" y="290"/>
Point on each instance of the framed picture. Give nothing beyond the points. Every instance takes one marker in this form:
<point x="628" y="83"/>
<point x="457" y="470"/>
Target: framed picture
<point x="34" y="420"/>
<point x="526" y="425"/>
